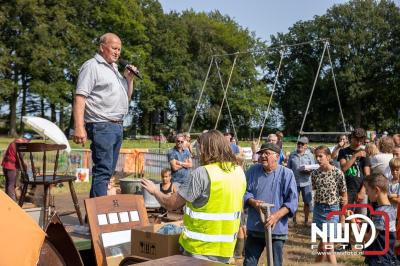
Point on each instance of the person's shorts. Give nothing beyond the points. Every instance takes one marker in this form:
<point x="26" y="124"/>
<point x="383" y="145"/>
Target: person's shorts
<point x="321" y="211"/>
<point x="306" y="193"/>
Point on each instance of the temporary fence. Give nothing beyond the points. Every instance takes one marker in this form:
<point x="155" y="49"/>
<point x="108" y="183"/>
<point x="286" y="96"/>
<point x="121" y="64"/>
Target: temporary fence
<point x="132" y="162"/>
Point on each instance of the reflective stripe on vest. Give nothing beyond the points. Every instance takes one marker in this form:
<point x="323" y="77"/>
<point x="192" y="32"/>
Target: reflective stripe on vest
<point x="209" y="238"/>
<point x="212" y="216"/>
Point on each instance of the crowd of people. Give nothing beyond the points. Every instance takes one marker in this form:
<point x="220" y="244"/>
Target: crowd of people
<point x="359" y="170"/>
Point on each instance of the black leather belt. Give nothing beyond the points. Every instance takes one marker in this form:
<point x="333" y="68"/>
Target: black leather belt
<point x="116" y="122"/>
<point x="109" y="121"/>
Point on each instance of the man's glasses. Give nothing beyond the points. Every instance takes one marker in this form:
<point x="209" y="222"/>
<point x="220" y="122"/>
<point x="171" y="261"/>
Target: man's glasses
<point x="180" y="141"/>
<point x="266" y="153"/>
<point x="299" y="143"/>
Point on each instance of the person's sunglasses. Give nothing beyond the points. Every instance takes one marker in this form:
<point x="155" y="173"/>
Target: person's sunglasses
<point x="299" y="143"/>
<point x="180" y="141"/>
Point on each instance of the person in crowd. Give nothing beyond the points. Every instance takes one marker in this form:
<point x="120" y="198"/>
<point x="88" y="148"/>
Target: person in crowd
<point x="380" y="162"/>
<point x="166" y="186"/>
<point x="232" y="142"/>
<point x="394" y="183"/>
<point x="330" y="192"/>
<point x="10" y="165"/>
<point x="101" y="101"/>
<point x="396" y="152"/>
<point x="287" y="155"/>
<point x="355" y="166"/>
<point x="279" y="134"/>
<point x="394" y="188"/>
<point x="273" y="138"/>
<point x="255" y="146"/>
<point x="371" y="150"/>
<point x="188" y="144"/>
<point x="180" y="160"/>
<point x="271" y="183"/>
<point x="396" y="140"/>
<point x="342" y="142"/>
<point x="377" y="189"/>
<point x="298" y="160"/>
<point x="212" y="190"/>
<point x="367" y="141"/>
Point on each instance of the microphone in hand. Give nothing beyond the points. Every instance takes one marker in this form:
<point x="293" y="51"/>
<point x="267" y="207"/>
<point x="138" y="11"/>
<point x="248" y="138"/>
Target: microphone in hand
<point x="126" y="65"/>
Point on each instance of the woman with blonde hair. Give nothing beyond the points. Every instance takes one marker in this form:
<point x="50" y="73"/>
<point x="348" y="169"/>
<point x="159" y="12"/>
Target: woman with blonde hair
<point x="371" y="149"/>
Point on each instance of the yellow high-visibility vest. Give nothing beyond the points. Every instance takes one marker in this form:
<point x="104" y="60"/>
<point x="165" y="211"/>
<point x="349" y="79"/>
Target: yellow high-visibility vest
<point x="212" y="229"/>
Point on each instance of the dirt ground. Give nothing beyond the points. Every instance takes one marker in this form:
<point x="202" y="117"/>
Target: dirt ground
<point x="297" y="249"/>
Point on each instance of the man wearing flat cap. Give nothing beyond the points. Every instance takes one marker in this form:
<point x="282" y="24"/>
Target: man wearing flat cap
<point x="269" y="182"/>
<point x="298" y="161"/>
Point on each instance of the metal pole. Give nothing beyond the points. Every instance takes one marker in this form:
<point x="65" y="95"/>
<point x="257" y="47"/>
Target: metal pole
<point x="312" y="90"/>
<point x="201" y="94"/>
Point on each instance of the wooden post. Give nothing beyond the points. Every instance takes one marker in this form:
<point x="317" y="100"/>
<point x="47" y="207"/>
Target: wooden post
<point x="265" y="212"/>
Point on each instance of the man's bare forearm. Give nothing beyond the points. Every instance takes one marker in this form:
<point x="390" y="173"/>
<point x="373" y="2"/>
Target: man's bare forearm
<point x="79" y="110"/>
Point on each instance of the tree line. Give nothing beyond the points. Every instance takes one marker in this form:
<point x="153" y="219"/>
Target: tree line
<point x="43" y="44"/>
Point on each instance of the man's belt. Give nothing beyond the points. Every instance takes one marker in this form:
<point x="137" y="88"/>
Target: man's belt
<point x="109" y="121"/>
<point x="116" y="121"/>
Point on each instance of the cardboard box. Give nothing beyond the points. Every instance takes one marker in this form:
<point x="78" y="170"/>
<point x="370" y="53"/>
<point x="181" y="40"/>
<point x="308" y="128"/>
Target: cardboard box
<point x="146" y="242"/>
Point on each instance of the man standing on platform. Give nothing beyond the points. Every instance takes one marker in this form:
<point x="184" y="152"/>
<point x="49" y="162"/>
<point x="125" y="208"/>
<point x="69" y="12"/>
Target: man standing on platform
<point x="101" y="101"/>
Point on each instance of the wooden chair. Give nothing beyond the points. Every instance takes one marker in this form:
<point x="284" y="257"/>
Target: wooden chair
<point x="31" y="176"/>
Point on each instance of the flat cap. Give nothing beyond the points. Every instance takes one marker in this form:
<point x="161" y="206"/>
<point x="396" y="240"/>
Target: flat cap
<point x="270" y="146"/>
<point x="303" y="140"/>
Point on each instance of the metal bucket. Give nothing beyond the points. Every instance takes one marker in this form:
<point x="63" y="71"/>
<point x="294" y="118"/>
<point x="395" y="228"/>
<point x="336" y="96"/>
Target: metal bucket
<point x="149" y="200"/>
<point x="130" y="185"/>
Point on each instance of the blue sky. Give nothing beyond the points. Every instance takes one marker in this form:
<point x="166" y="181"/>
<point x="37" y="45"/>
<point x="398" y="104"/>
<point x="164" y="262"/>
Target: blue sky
<point x="264" y="17"/>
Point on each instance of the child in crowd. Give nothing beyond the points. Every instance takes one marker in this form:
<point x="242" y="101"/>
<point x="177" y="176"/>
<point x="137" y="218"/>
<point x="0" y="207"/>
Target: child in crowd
<point x="394" y="185"/>
<point x="396" y="152"/>
<point x="330" y="191"/>
<point x="187" y="144"/>
<point x="377" y="189"/>
<point x="394" y="165"/>
<point x="166" y="186"/>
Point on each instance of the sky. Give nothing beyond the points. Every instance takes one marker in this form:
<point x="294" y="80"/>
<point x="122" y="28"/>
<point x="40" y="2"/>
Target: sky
<point x="264" y="17"/>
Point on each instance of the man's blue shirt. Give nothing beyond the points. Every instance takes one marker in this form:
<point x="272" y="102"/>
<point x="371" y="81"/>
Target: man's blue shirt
<point x="295" y="162"/>
<point x="277" y="187"/>
<point x="183" y="173"/>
